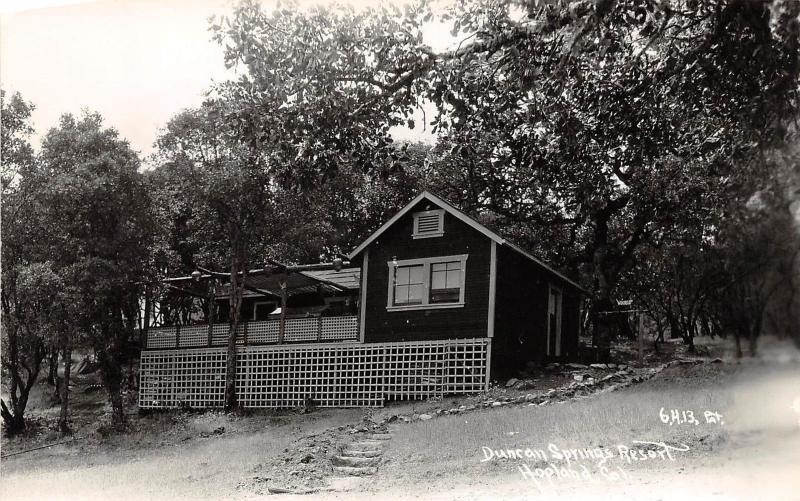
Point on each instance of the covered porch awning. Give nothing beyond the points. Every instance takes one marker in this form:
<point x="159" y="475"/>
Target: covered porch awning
<point x="267" y="282"/>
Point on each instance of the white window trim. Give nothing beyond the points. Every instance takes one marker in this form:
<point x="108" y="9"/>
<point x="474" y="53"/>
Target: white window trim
<point x="559" y="305"/>
<point x="439" y="212"/>
<point x="426" y="276"/>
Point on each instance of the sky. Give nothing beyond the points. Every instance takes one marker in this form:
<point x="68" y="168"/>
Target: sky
<point x="136" y="62"/>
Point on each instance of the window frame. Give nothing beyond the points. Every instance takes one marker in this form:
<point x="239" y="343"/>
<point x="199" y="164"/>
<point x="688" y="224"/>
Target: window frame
<point x="438" y="212"/>
<point x="426" y="277"/>
<point x="254" y="316"/>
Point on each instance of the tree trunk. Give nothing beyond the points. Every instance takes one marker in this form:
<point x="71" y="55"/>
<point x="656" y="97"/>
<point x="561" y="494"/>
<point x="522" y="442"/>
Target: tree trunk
<point x="601" y="327"/>
<point x="52" y="368"/>
<point x="689" y="340"/>
<point x="14" y="421"/>
<point x="601" y="332"/>
<point x="235" y="308"/>
<point x="117" y="408"/>
<point x="231" y="400"/>
<point x="605" y="270"/>
<point x="753" y="343"/>
<point x="19" y="389"/>
<point x="738" y="339"/>
<point x="659" y="338"/>
<point x="674" y="327"/>
<point x="55" y="398"/>
<point x="112" y="380"/>
<point x="63" y="420"/>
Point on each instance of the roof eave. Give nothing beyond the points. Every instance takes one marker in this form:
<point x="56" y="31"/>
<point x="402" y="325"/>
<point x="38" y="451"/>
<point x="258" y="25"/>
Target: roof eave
<point x="546" y="267"/>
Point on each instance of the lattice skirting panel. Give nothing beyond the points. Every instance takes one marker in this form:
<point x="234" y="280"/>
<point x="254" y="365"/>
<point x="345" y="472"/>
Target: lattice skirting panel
<point x="330" y="375"/>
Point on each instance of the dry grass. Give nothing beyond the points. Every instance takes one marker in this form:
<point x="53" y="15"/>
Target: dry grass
<point x="604" y="420"/>
<point x="452" y="445"/>
<point x="179" y="455"/>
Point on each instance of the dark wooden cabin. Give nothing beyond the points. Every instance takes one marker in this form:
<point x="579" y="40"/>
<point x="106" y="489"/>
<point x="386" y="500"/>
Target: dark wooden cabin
<point x="431" y="304"/>
<point x="432" y="273"/>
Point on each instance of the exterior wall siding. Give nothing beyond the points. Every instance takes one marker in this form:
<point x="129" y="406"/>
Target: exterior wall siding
<point x="520" y="321"/>
<point x="521" y="313"/>
<point x="469" y="321"/>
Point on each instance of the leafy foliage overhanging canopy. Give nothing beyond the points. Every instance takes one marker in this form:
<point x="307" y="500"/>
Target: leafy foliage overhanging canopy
<point x="587" y="128"/>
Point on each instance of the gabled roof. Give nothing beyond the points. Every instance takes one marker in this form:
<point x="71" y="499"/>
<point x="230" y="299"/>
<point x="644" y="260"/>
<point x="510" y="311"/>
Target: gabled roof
<point x="465" y="219"/>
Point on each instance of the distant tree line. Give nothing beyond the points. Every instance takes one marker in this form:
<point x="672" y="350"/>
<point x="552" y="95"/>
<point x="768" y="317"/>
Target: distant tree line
<point x="647" y="147"/>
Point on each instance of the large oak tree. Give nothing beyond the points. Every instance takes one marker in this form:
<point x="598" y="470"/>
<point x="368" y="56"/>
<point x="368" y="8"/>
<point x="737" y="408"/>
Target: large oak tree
<point x="586" y="129"/>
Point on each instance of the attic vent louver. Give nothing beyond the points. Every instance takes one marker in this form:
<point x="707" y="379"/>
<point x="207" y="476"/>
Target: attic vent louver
<point x="428" y="224"/>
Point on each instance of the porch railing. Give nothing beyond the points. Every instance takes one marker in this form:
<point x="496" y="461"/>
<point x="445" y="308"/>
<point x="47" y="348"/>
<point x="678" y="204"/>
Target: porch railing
<point x="303" y="329"/>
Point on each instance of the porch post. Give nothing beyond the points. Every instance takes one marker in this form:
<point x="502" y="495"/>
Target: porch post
<point x="212" y="307"/>
<point x="492" y="289"/>
<point x="362" y="299"/>
<point x="282" y="324"/>
<point x="488" y="362"/>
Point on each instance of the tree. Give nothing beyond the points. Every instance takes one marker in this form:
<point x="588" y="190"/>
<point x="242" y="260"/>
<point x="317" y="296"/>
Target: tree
<point x="301" y="96"/>
<point x="676" y="283"/>
<point x="99" y="217"/>
<point x="224" y="199"/>
<point x="721" y="278"/>
<point x="592" y="126"/>
<point x="755" y="257"/>
<point x="232" y="200"/>
<point x="320" y="222"/>
<point x="624" y="135"/>
<point x="23" y="335"/>
<point x="25" y="326"/>
<point x="15" y="147"/>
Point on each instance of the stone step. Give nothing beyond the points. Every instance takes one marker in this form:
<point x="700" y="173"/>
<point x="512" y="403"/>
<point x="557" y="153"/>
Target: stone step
<point x="360" y="454"/>
<point x="379" y="436"/>
<point x="367" y="445"/>
<point x="274" y="489"/>
<point x="359" y="471"/>
<point x="355" y="461"/>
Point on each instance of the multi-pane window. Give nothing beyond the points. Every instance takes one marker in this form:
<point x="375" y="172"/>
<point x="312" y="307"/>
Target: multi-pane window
<point x="445" y="282"/>
<point x="409" y="284"/>
<point x="436" y="282"/>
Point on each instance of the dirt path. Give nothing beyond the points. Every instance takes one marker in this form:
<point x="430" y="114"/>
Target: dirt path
<point x="757" y="456"/>
<point x="208" y="467"/>
<point x="764" y="471"/>
<point x="195" y="471"/>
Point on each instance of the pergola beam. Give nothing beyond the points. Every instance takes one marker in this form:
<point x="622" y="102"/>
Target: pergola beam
<point x="187" y="291"/>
